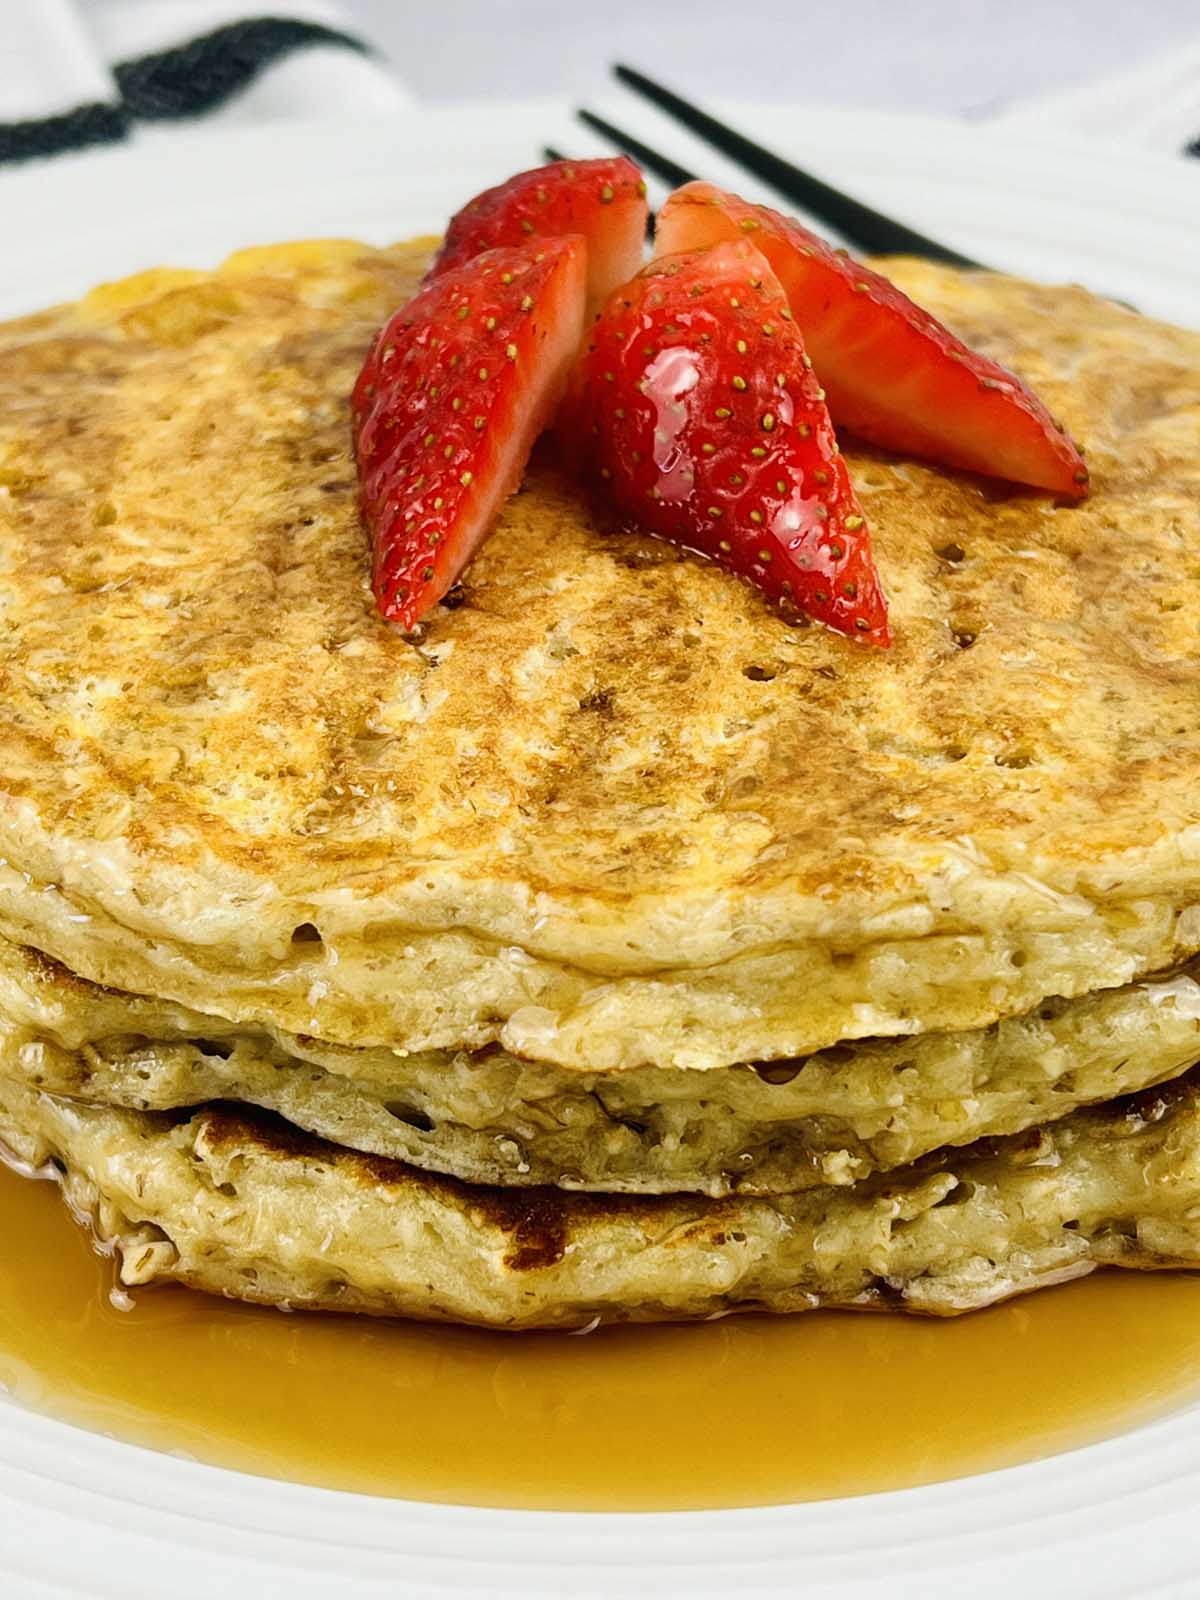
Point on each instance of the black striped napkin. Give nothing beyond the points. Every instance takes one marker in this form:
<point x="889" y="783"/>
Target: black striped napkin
<point x="79" y="76"/>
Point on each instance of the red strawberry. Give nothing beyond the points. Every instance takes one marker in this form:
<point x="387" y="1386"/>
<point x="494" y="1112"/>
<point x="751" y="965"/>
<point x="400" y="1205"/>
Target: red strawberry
<point x="455" y="390"/>
<point x="696" y="403"/>
<point x="605" y="201"/>
<point x="892" y="372"/>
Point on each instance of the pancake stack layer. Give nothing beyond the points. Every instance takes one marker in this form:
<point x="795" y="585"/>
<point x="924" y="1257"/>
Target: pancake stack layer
<point x="615" y="948"/>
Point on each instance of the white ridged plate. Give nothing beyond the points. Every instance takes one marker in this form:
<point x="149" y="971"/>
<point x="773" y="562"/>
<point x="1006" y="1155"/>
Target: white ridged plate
<point x="82" y="1515"/>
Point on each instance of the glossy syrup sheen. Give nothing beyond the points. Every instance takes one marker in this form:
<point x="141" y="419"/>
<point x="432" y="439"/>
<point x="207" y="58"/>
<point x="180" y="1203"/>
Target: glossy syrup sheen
<point x="744" y="1411"/>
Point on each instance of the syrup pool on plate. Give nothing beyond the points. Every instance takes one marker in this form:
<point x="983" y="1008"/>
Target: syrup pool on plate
<point x="743" y="1411"/>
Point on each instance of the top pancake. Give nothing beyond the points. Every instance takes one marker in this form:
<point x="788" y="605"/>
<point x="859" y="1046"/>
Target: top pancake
<point x="609" y="809"/>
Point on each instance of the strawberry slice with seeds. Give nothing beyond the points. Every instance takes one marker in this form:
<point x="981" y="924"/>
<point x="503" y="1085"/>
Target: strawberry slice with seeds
<point x="892" y="373"/>
<point x="696" y="405"/>
<point x="604" y="200"/>
<point x="450" y="399"/>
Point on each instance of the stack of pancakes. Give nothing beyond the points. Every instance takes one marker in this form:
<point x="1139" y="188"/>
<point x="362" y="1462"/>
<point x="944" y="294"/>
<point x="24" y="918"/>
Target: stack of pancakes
<point x="615" y="948"/>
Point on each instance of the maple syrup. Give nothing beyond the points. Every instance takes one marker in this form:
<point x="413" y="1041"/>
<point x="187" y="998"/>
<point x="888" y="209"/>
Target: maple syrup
<point x="744" y="1411"/>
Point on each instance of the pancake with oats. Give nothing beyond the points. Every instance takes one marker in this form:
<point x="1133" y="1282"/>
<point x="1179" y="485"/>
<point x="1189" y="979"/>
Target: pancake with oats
<point x="608" y="811"/>
<point x="613" y="947"/>
<point x="250" y="1209"/>
<point x="488" y="1117"/>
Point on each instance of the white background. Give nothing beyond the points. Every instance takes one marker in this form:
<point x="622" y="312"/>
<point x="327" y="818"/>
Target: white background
<point x="964" y="56"/>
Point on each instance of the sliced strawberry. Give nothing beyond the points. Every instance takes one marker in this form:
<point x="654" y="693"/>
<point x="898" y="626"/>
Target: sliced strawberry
<point x="892" y="372"/>
<point x="455" y="390"/>
<point x="696" y="404"/>
<point x="604" y="200"/>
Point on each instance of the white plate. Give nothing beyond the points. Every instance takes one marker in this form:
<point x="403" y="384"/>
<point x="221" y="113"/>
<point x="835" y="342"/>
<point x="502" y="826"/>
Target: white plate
<point x="85" y="1515"/>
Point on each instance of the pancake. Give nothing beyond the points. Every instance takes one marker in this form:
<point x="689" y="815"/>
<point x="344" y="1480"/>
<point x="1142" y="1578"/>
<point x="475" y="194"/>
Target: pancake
<point x="250" y="1209"/>
<point x="832" y="1118"/>
<point x="608" y="811"/>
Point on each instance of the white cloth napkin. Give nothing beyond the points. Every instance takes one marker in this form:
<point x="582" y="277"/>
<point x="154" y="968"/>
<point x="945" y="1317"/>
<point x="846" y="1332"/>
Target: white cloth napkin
<point x="90" y="72"/>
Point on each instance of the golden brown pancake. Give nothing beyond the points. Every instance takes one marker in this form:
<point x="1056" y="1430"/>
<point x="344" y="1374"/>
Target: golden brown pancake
<point x="777" y="1127"/>
<point x="608" y="810"/>
<point x="250" y="1209"/>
